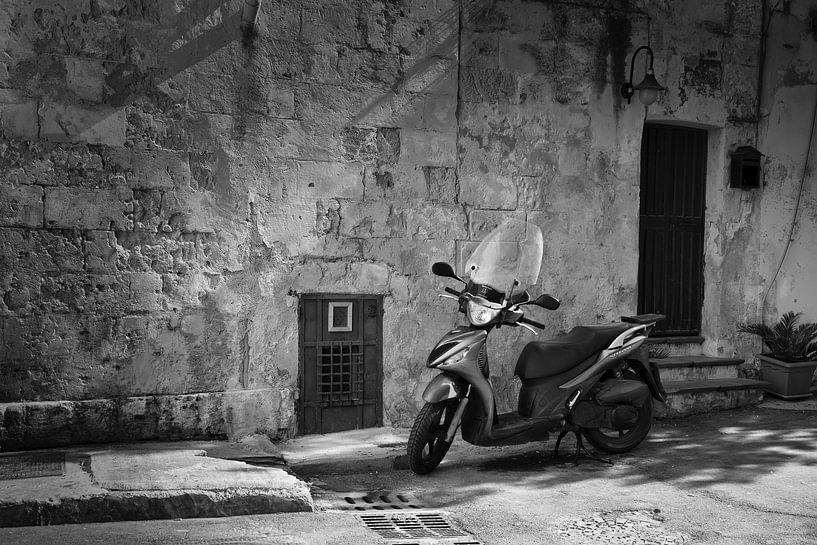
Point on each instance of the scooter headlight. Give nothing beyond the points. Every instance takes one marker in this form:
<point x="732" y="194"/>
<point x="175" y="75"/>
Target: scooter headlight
<point x="480" y="314"/>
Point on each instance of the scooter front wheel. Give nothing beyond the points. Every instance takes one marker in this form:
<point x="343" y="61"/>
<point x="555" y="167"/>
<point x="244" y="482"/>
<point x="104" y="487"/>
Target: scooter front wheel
<point x="427" y="445"/>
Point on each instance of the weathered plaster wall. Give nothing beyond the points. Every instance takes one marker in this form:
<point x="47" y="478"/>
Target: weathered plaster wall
<point x="790" y="100"/>
<point x="169" y="184"/>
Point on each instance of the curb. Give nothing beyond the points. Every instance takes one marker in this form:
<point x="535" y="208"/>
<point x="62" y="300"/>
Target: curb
<point x="172" y="504"/>
<point x="374" y="465"/>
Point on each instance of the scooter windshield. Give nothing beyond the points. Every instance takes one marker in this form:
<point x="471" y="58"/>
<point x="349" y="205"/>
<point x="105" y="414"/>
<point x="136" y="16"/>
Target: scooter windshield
<point x="512" y="251"/>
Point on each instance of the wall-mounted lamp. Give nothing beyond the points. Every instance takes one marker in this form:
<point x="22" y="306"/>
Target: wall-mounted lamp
<point x="649" y="86"/>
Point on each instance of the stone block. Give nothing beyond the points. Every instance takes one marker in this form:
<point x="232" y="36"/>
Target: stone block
<point x="518" y="55"/>
<point x="85" y="78"/>
<point x="19" y="119"/>
<point x="366" y="219"/>
<point x="76" y="208"/>
<point x="362" y="67"/>
<point x="379" y="146"/>
<point x="37" y="252"/>
<point x="74" y="123"/>
<point x="427" y="37"/>
<point x="313" y="180"/>
<point x="21" y="206"/>
<point x="141" y="252"/>
<point x="247" y="412"/>
<point x="340" y="277"/>
<point x="441" y="183"/>
<point x="280" y="100"/>
<point x="98" y="420"/>
<point x="430" y="148"/>
<point x="431" y="222"/>
<point x="408" y="257"/>
<point x="352" y="104"/>
<point x="488" y="85"/>
<point x="431" y="75"/>
<point x="482" y="222"/>
<point x="151" y="168"/>
<point x="184" y="211"/>
<point x="228" y="94"/>
<point x="331" y="23"/>
<point x="18" y="291"/>
<point x="534" y="192"/>
<point x="100" y="252"/>
<point x="39" y="425"/>
<point x="290" y="223"/>
<point x="103" y="294"/>
<point x="437" y="113"/>
<point x="295" y="139"/>
<point x="487" y="190"/>
<point x="480" y="48"/>
<point x="145" y="291"/>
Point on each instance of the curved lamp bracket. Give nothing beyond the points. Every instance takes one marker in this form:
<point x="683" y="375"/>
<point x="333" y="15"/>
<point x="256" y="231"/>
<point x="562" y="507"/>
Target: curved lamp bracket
<point x="649" y="87"/>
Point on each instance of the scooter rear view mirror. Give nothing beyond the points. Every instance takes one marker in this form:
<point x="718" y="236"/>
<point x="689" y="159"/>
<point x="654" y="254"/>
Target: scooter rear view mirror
<point x="546" y="301"/>
<point x="445" y="270"/>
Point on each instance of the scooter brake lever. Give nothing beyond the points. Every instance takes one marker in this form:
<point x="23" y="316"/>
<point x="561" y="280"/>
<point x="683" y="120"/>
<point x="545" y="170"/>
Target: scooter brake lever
<point x="529" y="328"/>
<point x="448" y="296"/>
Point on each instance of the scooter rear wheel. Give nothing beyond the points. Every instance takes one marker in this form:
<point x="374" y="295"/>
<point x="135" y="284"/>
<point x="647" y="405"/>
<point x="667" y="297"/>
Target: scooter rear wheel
<point x="618" y="441"/>
<point x="427" y="445"/>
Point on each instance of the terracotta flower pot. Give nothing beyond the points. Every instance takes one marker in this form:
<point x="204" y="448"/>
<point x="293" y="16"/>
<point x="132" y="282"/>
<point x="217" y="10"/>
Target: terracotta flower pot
<point x="788" y="380"/>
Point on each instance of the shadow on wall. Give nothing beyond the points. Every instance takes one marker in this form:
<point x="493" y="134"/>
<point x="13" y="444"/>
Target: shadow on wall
<point x="444" y="32"/>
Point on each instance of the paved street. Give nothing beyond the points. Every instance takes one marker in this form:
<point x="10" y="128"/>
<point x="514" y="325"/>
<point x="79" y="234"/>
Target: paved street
<point x="737" y="477"/>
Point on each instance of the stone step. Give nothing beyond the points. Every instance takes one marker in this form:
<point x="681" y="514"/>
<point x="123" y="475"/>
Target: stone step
<point x="677" y="346"/>
<point x="685" y="397"/>
<point x="681" y="368"/>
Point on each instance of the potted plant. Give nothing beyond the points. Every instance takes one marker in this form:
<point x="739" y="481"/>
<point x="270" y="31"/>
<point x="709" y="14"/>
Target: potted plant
<point x="789" y="365"/>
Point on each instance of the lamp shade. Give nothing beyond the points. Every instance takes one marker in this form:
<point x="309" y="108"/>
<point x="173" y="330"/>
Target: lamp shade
<point x="648" y="88"/>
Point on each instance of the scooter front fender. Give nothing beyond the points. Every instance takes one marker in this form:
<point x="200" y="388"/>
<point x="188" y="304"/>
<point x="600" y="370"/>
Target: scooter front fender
<point x="444" y="386"/>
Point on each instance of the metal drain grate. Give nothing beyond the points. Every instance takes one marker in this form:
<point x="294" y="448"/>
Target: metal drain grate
<point x="638" y="527"/>
<point x="403" y="528"/>
<point x="31" y="465"/>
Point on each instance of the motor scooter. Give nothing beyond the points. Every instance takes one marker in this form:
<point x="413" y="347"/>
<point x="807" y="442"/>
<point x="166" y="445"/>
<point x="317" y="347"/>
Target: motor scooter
<point x="596" y="381"/>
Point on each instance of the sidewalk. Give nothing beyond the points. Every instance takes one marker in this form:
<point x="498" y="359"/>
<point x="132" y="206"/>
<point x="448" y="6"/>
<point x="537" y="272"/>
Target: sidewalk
<point x="145" y="481"/>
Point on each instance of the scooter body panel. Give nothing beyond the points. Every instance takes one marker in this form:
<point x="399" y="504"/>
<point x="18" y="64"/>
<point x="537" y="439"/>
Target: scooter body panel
<point x="444" y="386"/>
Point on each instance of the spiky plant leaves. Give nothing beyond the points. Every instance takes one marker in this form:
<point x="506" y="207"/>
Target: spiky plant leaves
<point x="786" y="340"/>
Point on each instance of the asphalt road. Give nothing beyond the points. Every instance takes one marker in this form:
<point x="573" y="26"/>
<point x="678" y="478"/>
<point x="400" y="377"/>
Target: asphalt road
<point x="738" y="477"/>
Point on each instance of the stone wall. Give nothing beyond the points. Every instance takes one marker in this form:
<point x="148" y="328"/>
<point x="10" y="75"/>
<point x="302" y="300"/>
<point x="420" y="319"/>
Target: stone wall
<point x="171" y="181"/>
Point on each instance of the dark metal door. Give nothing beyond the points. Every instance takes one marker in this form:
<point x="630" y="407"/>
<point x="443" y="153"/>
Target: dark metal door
<point x="341" y="353"/>
<point x="671" y="227"/>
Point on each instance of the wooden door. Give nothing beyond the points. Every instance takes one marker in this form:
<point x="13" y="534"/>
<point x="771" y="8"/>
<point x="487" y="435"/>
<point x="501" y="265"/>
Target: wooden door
<point x="340" y="363"/>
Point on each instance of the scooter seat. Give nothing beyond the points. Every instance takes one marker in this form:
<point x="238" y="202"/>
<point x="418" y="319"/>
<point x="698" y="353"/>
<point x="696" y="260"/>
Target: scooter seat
<point x="540" y="359"/>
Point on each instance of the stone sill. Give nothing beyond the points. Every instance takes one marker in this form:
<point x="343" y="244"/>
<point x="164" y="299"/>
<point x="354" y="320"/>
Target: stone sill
<point x="690" y="339"/>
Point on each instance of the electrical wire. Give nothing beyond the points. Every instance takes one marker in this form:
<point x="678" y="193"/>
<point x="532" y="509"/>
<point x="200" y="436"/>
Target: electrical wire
<point x="796" y="210"/>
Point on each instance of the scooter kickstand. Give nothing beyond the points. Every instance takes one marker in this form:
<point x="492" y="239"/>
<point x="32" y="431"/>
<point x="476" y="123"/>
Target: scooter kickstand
<point x="581" y="450"/>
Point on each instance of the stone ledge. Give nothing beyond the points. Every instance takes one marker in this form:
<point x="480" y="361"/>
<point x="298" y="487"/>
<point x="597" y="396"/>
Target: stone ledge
<point x="226" y="414"/>
<point x="694" y="361"/>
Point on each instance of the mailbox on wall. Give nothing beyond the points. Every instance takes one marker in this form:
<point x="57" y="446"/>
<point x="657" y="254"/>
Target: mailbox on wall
<point x="745" y="169"/>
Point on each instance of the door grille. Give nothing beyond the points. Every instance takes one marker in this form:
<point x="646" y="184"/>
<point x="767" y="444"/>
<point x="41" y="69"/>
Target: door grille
<point x="340" y="374"/>
<point x="671" y="227"/>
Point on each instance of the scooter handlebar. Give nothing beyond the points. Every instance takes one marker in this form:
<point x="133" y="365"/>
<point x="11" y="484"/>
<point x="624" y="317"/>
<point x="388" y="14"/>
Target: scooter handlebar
<point x="452" y="291"/>
<point x="528" y="321"/>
